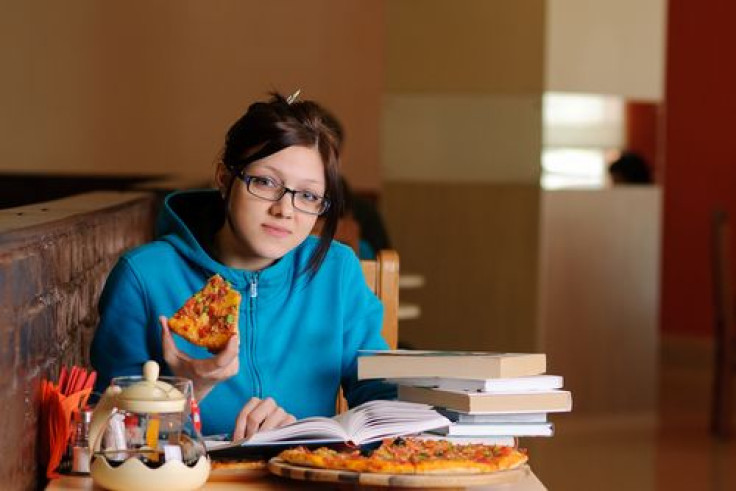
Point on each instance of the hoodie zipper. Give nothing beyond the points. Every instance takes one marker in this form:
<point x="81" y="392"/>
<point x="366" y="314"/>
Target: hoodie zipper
<point x="252" y="299"/>
<point x="254" y="287"/>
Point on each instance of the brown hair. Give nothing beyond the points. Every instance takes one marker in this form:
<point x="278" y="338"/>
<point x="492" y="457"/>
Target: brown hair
<point x="268" y="127"/>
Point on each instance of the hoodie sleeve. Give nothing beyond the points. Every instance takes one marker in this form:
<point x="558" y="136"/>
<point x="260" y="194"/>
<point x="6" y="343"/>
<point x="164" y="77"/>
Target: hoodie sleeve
<point x="123" y="338"/>
<point x="363" y="321"/>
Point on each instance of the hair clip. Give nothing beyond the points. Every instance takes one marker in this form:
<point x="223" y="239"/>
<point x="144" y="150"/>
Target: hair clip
<point x="292" y="98"/>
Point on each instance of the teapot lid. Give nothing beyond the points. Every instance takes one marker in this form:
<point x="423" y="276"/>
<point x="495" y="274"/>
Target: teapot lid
<point x="151" y="395"/>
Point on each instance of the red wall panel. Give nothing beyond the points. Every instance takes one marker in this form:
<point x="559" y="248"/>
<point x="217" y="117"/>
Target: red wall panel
<point x="643" y="133"/>
<point x="699" y="172"/>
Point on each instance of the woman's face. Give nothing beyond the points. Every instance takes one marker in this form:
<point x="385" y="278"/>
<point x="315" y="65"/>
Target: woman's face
<point x="266" y="230"/>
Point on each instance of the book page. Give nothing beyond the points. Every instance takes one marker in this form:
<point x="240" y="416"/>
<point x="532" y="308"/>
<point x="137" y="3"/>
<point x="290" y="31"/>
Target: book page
<point x="376" y="420"/>
<point x="316" y="428"/>
<point x="413" y="352"/>
<point x="514" y="384"/>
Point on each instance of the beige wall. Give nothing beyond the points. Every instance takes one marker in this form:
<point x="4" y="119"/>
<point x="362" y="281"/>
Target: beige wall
<point x="599" y="295"/>
<point x="607" y="47"/>
<point x="460" y="153"/>
<point x="151" y="87"/>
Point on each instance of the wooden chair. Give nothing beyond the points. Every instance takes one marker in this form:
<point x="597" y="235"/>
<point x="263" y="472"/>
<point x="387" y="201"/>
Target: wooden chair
<point x="348" y="232"/>
<point x="382" y="276"/>
<point x="724" y="329"/>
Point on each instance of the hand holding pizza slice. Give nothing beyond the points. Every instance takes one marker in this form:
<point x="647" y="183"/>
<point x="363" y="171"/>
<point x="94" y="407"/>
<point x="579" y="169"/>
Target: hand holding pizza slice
<point x="204" y="373"/>
<point x="209" y="318"/>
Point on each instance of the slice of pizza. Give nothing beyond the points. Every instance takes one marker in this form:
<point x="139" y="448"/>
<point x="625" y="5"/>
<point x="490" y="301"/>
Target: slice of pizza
<point x="209" y="318"/>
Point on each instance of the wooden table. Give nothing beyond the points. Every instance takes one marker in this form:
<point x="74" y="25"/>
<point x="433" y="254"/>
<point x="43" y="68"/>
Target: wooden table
<point x="274" y="483"/>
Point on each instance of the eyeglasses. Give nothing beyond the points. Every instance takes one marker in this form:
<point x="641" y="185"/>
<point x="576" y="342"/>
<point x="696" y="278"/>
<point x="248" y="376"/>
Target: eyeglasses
<point x="272" y="190"/>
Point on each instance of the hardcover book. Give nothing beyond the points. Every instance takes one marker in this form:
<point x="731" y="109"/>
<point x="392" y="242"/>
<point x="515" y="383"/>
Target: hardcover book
<point x="485" y="402"/>
<point x="461" y="417"/>
<point x="497" y="429"/>
<point x="452" y="364"/>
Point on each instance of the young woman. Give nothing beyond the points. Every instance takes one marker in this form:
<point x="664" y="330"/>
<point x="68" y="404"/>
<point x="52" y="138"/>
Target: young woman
<point x="306" y="309"/>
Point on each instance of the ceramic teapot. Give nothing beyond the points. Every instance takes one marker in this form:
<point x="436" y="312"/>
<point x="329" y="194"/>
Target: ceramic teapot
<point x="141" y="435"/>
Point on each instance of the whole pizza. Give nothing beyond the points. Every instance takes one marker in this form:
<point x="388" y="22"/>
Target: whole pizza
<point x="412" y="456"/>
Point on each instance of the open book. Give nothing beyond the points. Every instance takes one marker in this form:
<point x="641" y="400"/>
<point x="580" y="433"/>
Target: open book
<point x="370" y="422"/>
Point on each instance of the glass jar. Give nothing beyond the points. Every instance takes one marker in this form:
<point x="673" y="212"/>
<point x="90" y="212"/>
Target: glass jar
<point x="80" y="442"/>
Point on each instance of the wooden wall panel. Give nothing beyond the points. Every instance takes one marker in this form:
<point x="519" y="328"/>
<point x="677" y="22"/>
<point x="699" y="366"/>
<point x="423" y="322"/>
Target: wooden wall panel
<point x="461" y="160"/>
<point x="462" y="137"/>
<point x="151" y="87"/>
<point x="476" y="46"/>
<point x="476" y="246"/>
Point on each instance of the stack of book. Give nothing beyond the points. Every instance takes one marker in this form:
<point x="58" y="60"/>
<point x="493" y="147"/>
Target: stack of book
<point x="489" y="397"/>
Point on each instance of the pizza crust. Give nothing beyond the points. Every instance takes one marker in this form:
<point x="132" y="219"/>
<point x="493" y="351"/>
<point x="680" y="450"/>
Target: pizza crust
<point x="241" y="465"/>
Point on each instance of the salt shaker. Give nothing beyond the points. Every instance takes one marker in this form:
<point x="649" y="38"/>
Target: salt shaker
<point x="80" y="442"/>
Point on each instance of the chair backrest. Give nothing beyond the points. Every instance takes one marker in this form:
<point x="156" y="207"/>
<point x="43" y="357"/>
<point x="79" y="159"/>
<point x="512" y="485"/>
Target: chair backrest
<point x="722" y="282"/>
<point x="348" y="232"/>
<point x="722" y="405"/>
<point x="382" y="276"/>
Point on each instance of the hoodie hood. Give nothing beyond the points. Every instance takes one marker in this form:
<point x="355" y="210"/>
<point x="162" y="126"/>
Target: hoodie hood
<point x="189" y="219"/>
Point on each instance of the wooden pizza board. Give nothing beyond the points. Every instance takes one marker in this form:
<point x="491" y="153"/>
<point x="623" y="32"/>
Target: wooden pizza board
<point x="302" y="473"/>
<point x="237" y="474"/>
<point x="255" y="472"/>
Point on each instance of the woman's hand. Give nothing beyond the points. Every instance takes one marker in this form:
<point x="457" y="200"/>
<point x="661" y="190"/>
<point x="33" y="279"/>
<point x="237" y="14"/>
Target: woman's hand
<point x="258" y="415"/>
<point x="205" y="373"/>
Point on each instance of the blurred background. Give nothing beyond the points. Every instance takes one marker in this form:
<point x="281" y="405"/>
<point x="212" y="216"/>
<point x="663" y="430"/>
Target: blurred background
<point x="483" y="131"/>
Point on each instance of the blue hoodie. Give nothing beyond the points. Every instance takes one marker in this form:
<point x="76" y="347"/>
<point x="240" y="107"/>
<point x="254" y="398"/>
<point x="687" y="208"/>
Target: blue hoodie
<point x="299" y="333"/>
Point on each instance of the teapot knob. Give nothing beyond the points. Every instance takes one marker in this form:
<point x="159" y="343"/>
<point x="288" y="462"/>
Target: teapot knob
<point x="150" y="371"/>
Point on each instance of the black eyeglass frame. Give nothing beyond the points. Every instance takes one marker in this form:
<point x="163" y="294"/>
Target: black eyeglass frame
<point x="247" y="179"/>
